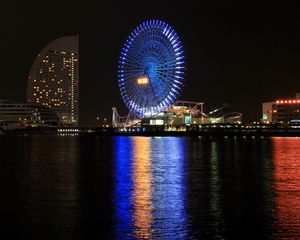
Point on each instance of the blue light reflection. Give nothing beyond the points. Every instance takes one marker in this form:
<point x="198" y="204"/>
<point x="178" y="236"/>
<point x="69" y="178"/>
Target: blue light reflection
<point x="169" y="188"/>
<point x="150" y="188"/>
<point x="123" y="188"/>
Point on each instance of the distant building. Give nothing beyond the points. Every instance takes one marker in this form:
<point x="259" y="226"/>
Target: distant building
<point x="53" y="81"/>
<point x="282" y="111"/>
<point x="18" y="115"/>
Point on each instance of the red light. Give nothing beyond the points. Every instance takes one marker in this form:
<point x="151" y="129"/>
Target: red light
<point x="291" y="101"/>
<point x="288" y="101"/>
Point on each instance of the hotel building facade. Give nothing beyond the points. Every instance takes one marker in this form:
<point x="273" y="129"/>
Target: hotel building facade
<point x="53" y="81"/>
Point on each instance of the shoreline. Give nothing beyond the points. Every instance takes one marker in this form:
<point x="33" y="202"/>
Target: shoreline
<point x="209" y="132"/>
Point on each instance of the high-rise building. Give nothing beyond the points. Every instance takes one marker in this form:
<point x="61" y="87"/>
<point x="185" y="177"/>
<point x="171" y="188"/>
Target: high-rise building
<point x="282" y="111"/>
<point x="53" y="81"/>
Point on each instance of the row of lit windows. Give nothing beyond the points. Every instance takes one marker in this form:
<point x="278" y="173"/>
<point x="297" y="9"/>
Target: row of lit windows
<point x="288" y="101"/>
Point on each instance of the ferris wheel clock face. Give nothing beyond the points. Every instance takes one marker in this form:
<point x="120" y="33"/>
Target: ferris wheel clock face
<point x="151" y="68"/>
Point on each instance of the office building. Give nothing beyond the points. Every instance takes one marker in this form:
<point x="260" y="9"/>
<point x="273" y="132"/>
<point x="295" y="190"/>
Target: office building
<point x="19" y="115"/>
<point x="282" y="111"/>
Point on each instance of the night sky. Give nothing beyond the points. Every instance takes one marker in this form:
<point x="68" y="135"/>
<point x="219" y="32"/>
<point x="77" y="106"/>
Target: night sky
<point x="238" y="53"/>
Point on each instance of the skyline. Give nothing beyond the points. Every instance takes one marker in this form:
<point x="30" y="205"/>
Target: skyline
<point x="238" y="54"/>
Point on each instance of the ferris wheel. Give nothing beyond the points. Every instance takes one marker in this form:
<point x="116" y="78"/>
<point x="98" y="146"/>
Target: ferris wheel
<point x="151" y="68"/>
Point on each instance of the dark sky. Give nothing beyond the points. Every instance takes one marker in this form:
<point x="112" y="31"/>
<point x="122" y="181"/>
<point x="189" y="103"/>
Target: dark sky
<point x="238" y="53"/>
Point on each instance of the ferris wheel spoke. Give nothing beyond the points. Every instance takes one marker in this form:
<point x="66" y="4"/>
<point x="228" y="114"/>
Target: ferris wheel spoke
<point x="131" y="86"/>
<point x="168" y="78"/>
<point x="133" y="66"/>
<point x="172" y="75"/>
<point x="131" y="69"/>
<point x="131" y="72"/>
<point x="132" y="60"/>
<point x="133" y="89"/>
<point x="161" y="90"/>
<point x="152" y="88"/>
<point x="173" y="63"/>
<point x="168" y="84"/>
<point x="169" y="68"/>
<point x="139" y="98"/>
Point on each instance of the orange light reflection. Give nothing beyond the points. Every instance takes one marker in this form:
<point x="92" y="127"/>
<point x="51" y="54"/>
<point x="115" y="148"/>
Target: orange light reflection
<point x="142" y="188"/>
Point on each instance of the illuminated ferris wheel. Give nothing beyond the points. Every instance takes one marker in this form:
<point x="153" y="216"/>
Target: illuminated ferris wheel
<point x="151" y="68"/>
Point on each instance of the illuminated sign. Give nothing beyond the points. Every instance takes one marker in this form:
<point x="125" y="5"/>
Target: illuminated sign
<point x="142" y="81"/>
<point x="188" y="119"/>
<point x="156" y="122"/>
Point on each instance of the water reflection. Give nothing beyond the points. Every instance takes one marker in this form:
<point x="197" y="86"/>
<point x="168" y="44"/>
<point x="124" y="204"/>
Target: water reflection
<point x="169" y="188"/>
<point x="142" y="188"/>
<point x="149" y="188"/>
<point x="229" y="189"/>
<point x="286" y="157"/>
<point x="51" y="192"/>
<point x="123" y="187"/>
<point x="44" y="188"/>
<point x="149" y="196"/>
<point x="215" y="209"/>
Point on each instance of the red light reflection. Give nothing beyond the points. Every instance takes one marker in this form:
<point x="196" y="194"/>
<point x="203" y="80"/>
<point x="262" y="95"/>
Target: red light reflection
<point x="286" y="155"/>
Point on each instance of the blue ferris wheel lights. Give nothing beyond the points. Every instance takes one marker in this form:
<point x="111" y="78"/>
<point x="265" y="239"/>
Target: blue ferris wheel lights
<point x="151" y="68"/>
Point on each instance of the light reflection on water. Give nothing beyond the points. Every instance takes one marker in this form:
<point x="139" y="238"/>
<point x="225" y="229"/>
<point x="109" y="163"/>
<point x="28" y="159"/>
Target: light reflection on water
<point x="85" y="187"/>
<point x="169" y="188"/>
<point x="142" y="191"/>
<point x="123" y="188"/>
<point x="150" y="188"/>
<point x="286" y="155"/>
<point x="187" y="188"/>
<point x="215" y="204"/>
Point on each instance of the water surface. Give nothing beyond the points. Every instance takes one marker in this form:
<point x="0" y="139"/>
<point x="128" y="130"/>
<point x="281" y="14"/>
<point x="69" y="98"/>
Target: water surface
<point x="87" y="187"/>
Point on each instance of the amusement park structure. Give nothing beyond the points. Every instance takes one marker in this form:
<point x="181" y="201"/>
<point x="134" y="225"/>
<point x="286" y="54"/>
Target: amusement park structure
<point x="179" y="114"/>
<point x="151" y="77"/>
<point x="151" y="68"/>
